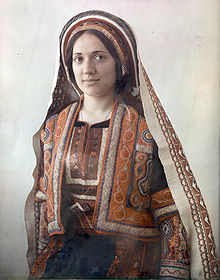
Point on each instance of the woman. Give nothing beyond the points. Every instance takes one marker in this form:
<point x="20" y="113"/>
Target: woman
<point x="103" y="205"/>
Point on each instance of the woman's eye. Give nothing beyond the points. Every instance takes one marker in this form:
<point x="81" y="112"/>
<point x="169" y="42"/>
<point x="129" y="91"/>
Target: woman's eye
<point x="77" y="59"/>
<point x="99" y="57"/>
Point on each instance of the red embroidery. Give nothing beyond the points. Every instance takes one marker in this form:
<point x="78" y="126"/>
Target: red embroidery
<point x="135" y="259"/>
<point x="50" y="249"/>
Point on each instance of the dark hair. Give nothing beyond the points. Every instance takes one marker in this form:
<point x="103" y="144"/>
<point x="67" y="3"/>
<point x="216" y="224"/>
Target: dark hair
<point x="122" y="82"/>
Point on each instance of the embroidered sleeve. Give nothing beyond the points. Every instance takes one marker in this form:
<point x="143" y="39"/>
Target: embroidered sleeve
<point x="46" y="143"/>
<point x="174" y="256"/>
<point x="175" y="262"/>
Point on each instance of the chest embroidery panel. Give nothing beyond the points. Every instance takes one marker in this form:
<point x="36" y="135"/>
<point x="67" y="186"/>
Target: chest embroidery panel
<point x="82" y="169"/>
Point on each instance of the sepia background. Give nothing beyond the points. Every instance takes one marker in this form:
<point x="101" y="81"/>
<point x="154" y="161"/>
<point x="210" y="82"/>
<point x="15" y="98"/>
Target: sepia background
<point x="178" y="42"/>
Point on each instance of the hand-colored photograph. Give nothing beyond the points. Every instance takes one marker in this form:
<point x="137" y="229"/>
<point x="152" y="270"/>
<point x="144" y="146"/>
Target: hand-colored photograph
<point x="109" y="119"/>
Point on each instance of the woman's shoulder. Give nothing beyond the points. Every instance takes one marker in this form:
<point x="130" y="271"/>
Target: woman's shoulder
<point x="138" y="122"/>
<point x="60" y="114"/>
<point x="56" y="121"/>
<point x="129" y="109"/>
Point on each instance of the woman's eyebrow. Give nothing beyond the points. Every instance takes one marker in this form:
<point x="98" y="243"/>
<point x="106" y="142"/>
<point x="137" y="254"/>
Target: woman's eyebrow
<point x="77" y="53"/>
<point x="95" y="52"/>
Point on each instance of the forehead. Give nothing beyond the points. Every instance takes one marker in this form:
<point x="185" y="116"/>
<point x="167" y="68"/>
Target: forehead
<point x="88" y="43"/>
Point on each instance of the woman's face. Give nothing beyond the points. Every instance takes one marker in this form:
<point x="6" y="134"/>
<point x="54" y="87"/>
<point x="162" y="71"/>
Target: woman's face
<point x="93" y="66"/>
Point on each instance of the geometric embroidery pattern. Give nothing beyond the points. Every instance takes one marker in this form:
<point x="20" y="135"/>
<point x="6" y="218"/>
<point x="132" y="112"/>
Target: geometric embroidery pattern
<point x="174" y="254"/>
<point x="167" y="231"/>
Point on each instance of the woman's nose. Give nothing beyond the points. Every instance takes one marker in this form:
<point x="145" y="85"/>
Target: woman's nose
<point x="89" y="67"/>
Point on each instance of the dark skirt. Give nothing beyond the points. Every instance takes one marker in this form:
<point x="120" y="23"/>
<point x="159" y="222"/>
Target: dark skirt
<point x="82" y="256"/>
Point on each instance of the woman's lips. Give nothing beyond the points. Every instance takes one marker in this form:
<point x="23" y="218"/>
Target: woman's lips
<point x="90" y="80"/>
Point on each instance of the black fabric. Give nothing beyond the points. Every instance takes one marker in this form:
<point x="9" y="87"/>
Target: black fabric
<point x="157" y="177"/>
<point x="82" y="256"/>
<point x="103" y="124"/>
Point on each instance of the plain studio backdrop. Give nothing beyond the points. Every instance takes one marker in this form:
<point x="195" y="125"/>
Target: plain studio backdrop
<point x="178" y="42"/>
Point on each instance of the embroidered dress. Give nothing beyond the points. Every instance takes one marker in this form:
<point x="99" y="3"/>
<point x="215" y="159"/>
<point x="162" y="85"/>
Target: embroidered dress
<point x="134" y="218"/>
<point x="150" y="219"/>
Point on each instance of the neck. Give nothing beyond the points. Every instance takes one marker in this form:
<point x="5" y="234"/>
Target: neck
<point x="96" y="109"/>
<point x="97" y="105"/>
